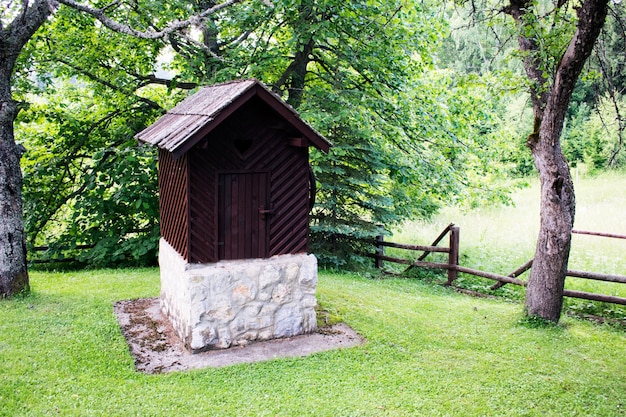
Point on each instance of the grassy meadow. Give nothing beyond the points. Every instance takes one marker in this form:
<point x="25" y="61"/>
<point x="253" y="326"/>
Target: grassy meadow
<point x="430" y="352"/>
<point x="500" y="239"/>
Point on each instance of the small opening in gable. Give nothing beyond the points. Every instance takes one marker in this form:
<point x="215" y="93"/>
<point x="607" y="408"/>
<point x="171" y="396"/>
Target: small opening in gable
<point x="243" y="145"/>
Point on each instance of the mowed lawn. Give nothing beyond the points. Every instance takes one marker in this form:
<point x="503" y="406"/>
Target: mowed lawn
<point x="430" y="351"/>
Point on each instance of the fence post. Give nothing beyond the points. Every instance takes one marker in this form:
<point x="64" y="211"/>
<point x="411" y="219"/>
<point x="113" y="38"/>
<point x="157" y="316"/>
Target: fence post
<point x="453" y="255"/>
<point x="380" y="249"/>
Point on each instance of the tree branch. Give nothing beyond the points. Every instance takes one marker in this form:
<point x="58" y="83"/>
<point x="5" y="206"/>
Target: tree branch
<point x="518" y="10"/>
<point x="591" y="17"/>
<point x="114" y="87"/>
<point x="607" y="75"/>
<point x="153" y="79"/>
<point x="115" y="26"/>
<point x="21" y="29"/>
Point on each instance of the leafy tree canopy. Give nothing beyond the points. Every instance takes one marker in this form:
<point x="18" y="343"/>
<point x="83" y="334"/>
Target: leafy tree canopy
<point x="408" y="133"/>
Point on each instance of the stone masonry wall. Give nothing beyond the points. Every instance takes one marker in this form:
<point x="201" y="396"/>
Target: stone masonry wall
<point x="232" y="303"/>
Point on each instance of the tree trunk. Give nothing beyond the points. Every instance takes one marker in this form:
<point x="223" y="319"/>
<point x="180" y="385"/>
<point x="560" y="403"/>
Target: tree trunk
<point x="13" y="37"/>
<point x="13" y="268"/>
<point x="295" y="74"/>
<point x="544" y="294"/>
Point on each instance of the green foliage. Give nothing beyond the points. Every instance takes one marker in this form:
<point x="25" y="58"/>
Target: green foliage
<point x="417" y="118"/>
<point x="596" y="137"/>
<point x="594" y="132"/>
<point x="605" y="131"/>
<point x="550" y="28"/>
<point x="474" y="48"/>
<point x="514" y="127"/>
<point x="356" y="90"/>
<point x="90" y="192"/>
<point x="483" y="44"/>
<point x="406" y="136"/>
<point x="480" y="53"/>
<point x="95" y="188"/>
<point x="575" y="142"/>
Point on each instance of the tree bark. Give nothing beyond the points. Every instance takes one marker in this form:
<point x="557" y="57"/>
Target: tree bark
<point x="13" y="266"/>
<point x="544" y="293"/>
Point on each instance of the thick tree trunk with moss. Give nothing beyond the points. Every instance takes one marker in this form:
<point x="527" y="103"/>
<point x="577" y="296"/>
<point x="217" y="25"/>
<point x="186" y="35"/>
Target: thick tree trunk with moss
<point x="544" y="294"/>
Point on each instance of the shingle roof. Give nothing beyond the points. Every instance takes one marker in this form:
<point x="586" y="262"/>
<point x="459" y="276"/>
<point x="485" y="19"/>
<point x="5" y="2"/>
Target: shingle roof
<point x="189" y="121"/>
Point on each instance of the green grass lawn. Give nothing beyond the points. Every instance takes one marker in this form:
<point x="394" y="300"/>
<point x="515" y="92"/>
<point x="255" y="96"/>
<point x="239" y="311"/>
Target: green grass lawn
<point x="500" y="239"/>
<point x="430" y="352"/>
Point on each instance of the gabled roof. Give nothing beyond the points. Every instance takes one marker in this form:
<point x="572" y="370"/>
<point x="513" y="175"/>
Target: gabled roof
<point x="187" y="123"/>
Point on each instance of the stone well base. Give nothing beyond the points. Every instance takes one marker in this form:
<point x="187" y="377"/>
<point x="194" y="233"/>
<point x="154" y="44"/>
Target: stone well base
<point x="232" y="303"/>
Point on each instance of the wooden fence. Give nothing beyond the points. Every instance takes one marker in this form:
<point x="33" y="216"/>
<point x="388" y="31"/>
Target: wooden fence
<point x="57" y="260"/>
<point x="453" y="267"/>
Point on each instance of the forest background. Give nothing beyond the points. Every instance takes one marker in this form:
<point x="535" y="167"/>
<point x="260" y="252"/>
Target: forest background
<point x="426" y="104"/>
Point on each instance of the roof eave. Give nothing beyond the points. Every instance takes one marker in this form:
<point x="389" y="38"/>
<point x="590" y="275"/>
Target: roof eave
<point x="255" y="89"/>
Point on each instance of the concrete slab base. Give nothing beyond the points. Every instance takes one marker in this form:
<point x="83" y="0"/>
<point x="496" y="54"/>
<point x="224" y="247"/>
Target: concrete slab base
<point x="157" y="348"/>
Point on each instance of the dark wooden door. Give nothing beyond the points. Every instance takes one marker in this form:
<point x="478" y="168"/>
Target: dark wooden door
<point x="243" y="215"/>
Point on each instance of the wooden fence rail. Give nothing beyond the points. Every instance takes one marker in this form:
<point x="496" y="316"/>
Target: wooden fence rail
<point x="57" y="260"/>
<point x="452" y="251"/>
<point x="453" y="267"/>
<point x="584" y="232"/>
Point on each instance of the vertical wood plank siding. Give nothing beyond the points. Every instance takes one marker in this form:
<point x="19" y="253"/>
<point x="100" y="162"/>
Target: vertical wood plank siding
<point x="202" y="210"/>
<point x="242" y="227"/>
<point x="173" y="201"/>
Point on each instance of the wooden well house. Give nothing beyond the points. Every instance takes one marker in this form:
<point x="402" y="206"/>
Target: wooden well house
<point x="235" y="190"/>
<point x="234" y="175"/>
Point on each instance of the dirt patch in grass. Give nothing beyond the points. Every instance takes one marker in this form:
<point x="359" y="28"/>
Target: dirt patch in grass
<point x="156" y="347"/>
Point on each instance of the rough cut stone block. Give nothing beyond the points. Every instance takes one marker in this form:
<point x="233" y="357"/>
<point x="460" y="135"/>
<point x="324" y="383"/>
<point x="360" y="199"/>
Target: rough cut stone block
<point x="231" y="303"/>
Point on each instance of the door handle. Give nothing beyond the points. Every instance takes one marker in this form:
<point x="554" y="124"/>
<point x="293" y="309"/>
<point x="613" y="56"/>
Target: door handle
<point x="264" y="212"/>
